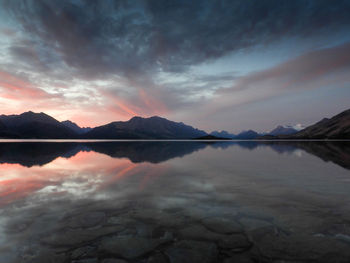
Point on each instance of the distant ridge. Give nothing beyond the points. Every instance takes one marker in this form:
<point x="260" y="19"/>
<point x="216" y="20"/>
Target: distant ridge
<point x="75" y="127"/>
<point x="337" y="127"/>
<point x="223" y="134"/>
<point x="281" y="130"/>
<point x="247" y="135"/>
<point x="145" y="128"/>
<point x="31" y="125"/>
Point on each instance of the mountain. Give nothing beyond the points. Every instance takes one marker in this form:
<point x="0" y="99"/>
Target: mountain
<point x="223" y="134"/>
<point x="34" y="125"/>
<point x="244" y="135"/>
<point x="247" y="135"/>
<point x="337" y="127"/>
<point x="210" y="137"/>
<point x="4" y="133"/>
<point x="281" y="130"/>
<point x="73" y="126"/>
<point x="145" y="128"/>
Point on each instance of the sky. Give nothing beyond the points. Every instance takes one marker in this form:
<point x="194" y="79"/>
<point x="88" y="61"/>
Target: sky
<point x="217" y="65"/>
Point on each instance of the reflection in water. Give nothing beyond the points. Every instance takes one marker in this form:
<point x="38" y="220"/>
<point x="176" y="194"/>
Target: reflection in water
<point x="244" y="201"/>
<point x="34" y="153"/>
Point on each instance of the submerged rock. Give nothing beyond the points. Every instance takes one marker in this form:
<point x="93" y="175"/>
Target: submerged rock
<point x="69" y="238"/>
<point x="253" y="223"/>
<point x="113" y="260"/>
<point x="43" y="255"/>
<point x="129" y="247"/>
<point x="240" y="258"/>
<point x="157" y="258"/>
<point x="86" y="260"/>
<point x="198" y="232"/>
<point x="222" y="225"/>
<point x="83" y="251"/>
<point x="87" y="220"/>
<point x="235" y="242"/>
<point x="303" y="248"/>
<point x="188" y="251"/>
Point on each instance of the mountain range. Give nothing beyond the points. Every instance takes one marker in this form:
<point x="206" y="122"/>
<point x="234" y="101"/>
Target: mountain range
<point x="33" y="125"/>
<point x="30" y="125"/>
<point x="75" y="127"/>
<point x="337" y="127"/>
<point x="250" y="134"/>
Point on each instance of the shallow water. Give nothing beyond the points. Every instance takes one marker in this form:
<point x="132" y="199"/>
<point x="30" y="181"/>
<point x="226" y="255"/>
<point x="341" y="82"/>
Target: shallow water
<point x="174" y="201"/>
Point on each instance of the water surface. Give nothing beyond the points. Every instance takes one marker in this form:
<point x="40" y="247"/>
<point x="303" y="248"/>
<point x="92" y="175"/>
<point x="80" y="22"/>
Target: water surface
<point x="174" y="201"/>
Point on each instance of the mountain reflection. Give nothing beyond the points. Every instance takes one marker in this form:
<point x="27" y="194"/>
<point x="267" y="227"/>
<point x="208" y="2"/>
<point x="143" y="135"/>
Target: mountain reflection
<point x="40" y="153"/>
<point x="59" y="198"/>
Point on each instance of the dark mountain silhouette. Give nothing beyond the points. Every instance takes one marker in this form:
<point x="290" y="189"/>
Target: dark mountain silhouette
<point x="73" y="126"/>
<point x="223" y="134"/>
<point x="2" y="126"/>
<point x="35" y="125"/>
<point x="247" y="135"/>
<point x="244" y="135"/>
<point x="211" y="137"/>
<point x="145" y="128"/>
<point x="4" y="132"/>
<point x="250" y="134"/>
<point x="337" y="127"/>
<point x="280" y="130"/>
<point x="30" y="125"/>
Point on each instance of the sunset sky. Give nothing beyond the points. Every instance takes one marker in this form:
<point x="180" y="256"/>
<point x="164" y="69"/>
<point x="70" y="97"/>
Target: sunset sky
<point x="230" y="65"/>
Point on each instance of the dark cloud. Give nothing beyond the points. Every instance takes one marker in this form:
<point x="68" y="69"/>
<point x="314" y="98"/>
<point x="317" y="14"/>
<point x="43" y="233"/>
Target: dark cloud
<point x="96" y="38"/>
<point x="329" y="66"/>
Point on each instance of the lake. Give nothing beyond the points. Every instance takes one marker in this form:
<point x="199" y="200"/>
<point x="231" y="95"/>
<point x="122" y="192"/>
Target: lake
<point x="174" y="201"/>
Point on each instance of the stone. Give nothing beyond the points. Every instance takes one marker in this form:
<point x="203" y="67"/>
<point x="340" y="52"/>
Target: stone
<point x="82" y="252"/>
<point x="188" y="251"/>
<point x="113" y="260"/>
<point x="129" y="247"/>
<point x="86" y="260"/>
<point x="301" y="248"/>
<point x="198" y="232"/>
<point x="159" y="218"/>
<point x="239" y="258"/>
<point x="73" y="237"/>
<point x="222" y="225"/>
<point x="235" y="242"/>
<point x="253" y="223"/>
<point x="87" y="220"/>
<point x="157" y="258"/>
<point x="44" y="255"/>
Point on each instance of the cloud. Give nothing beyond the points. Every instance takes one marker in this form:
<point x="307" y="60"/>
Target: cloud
<point x="324" y="68"/>
<point x="105" y="37"/>
<point x="329" y="66"/>
<point x="13" y="87"/>
<point x="122" y="58"/>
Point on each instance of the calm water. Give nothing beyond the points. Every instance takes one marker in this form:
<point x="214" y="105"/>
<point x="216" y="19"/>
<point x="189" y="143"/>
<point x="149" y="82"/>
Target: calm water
<point x="174" y="202"/>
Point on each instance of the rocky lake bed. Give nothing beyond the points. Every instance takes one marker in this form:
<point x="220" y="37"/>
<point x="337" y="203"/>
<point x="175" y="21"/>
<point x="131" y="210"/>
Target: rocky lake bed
<point x="208" y="206"/>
